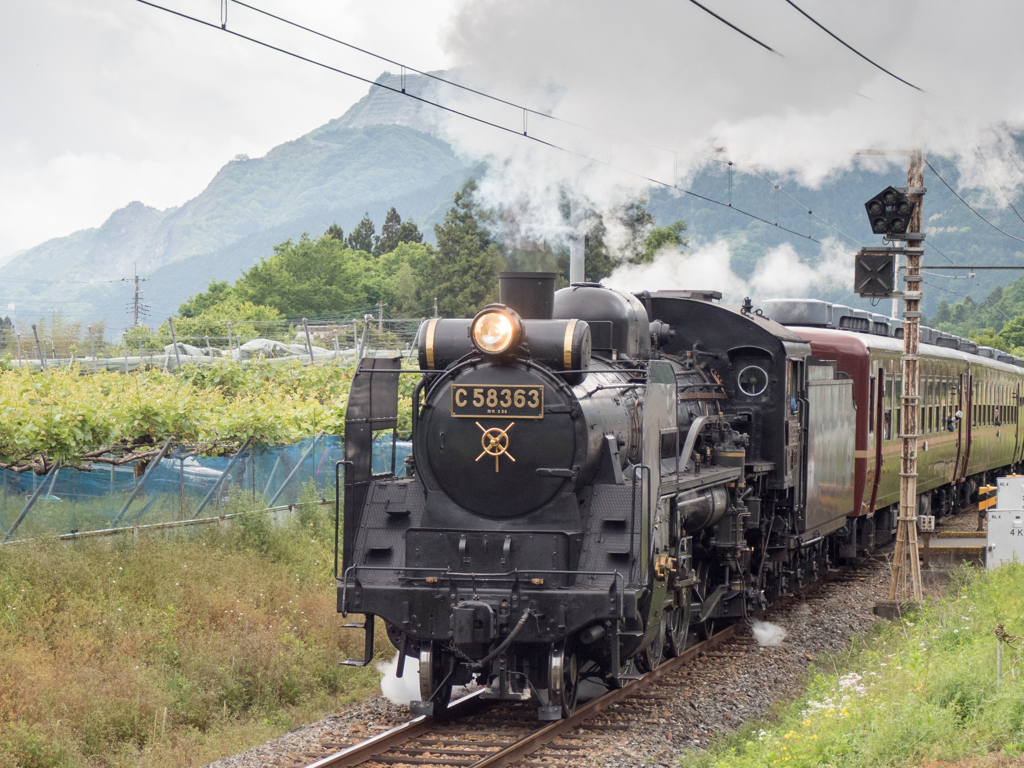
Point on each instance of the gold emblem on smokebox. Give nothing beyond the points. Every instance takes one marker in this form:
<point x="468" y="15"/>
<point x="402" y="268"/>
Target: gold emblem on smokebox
<point x="495" y="443"/>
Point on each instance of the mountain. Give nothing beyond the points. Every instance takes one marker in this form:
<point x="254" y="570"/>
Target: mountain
<point x="382" y="153"/>
<point x="377" y="155"/>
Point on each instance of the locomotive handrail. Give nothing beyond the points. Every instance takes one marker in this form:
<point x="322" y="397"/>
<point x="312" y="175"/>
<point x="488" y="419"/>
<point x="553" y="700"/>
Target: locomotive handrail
<point x="337" y="509"/>
<point x="691" y="436"/>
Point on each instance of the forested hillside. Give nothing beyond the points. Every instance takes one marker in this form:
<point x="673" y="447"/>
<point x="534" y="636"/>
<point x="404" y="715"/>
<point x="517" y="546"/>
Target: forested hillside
<point x="998" y="321"/>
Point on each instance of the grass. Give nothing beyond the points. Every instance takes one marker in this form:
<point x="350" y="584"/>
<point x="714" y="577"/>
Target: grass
<point x="170" y="652"/>
<point x="911" y="692"/>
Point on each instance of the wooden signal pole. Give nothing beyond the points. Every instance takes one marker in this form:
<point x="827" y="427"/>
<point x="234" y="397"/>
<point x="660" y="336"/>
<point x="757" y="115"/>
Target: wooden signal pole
<point x="905" y="561"/>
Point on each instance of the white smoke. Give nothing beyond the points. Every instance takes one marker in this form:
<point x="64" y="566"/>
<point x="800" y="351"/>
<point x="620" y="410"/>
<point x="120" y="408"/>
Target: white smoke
<point x="708" y="266"/>
<point x="767" y="633"/>
<point x="683" y="87"/>
<point x="400" y="690"/>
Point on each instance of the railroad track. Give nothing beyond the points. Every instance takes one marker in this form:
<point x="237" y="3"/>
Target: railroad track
<point x="480" y="734"/>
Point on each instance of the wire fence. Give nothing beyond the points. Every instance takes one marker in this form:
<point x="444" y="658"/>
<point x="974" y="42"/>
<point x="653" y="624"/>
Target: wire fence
<point x="179" y="486"/>
<point x="314" y="343"/>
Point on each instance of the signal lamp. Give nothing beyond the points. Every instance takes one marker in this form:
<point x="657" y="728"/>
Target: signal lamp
<point x="496" y="329"/>
<point x="889" y="212"/>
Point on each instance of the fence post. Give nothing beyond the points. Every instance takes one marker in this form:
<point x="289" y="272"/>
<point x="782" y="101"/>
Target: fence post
<point x="309" y="343"/>
<point x="337" y="349"/>
<point x="174" y="341"/>
<point x="220" y="480"/>
<point x="142" y="483"/>
<point x="364" y="343"/>
<point x="270" y="477"/>
<point x="42" y="357"/>
<point x="295" y="469"/>
<point x="31" y="501"/>
<point x="229" y="341"/>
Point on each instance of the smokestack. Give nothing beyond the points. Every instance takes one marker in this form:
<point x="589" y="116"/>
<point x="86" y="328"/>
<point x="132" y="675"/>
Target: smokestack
<point x="531" y="294"/>
<point x="576" y="257"/>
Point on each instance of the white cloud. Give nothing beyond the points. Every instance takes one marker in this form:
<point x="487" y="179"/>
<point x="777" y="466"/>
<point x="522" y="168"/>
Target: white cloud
<point x="110" y="101"/>
<point x="708" y="266"/>
<point x="665" y="74"/>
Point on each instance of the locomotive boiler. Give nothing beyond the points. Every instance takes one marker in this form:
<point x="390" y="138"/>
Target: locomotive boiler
<point x="596" y="477"/>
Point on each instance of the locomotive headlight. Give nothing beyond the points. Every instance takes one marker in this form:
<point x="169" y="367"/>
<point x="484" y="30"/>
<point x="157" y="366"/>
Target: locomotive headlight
<point x="496" y="329"/>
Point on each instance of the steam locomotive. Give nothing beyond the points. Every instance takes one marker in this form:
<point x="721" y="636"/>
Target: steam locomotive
<point x="597" y="477"/>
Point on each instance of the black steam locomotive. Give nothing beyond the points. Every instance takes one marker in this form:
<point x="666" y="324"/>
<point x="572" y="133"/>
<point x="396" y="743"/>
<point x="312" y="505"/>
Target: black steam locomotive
<point x="596" y="476"/>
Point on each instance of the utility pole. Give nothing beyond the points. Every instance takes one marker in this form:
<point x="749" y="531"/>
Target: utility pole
<point x="905" y="559"/>
<point x="380" y="316"/>
<point x="137" y="307"/>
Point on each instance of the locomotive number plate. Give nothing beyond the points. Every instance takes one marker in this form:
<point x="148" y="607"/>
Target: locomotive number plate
<point x="518" y="401"/>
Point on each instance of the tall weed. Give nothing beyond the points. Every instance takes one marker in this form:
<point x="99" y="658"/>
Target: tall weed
<point x="923" y="688"/>
<point x="164" y="652"/>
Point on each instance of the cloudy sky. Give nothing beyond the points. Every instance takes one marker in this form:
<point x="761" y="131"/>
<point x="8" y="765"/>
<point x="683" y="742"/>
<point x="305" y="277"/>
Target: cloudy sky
<point x="109" y="101"/>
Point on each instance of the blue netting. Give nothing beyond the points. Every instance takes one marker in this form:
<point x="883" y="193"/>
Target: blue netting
<point x="73" y="500"/>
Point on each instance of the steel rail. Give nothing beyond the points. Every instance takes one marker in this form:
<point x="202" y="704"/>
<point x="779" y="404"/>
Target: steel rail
<point x="365" y="751"/>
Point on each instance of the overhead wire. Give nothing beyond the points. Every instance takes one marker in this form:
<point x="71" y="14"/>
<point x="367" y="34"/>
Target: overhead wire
<point x="973" y="210"/>
<point x="840" y="40"/>
<point x="809" y="211"/>
<point x="480" y="120"/>
<point x="733" y="26"/>
<point x="453" y="83"/>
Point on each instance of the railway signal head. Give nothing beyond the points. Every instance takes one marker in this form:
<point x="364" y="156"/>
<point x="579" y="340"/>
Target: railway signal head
<point x="889" y="212"/>
<point x="874" y="272"/>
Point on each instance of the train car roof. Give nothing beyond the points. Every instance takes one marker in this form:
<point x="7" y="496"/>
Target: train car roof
<point x="869" y="342"/>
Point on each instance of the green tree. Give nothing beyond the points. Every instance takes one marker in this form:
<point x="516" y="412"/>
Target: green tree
<point x="248" y="321"/>
<point x="639" y="224"/>
<point x="943" y="314"/>
<point x="336" y="232"/>
<point x="216" y="292"/>
<point x="362" y="238"/>
<point x="409" y="233"/>
<point x="394" y="232"/>
<point x="309" y="278"/>
<point x="466" y="267"/>
<point x="388" y="239"/>
<point x="662" y="237"/>
<point x="8" y="337"/>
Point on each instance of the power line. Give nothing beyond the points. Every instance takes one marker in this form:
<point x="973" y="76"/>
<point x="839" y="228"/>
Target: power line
<point x="1014" y="237"/>
<point x="929" y="244"/>
<point x="438" y="78"/>
<point x="480" y="120"/>
<point x="733" y="26"/>
<point x="835" y="37"/>
<point x="809" y="211"/>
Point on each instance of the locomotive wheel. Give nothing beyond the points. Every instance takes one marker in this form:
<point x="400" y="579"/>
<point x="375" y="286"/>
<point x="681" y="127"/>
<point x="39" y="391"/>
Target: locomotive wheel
<point x="650" y="657"/>
<point x="678" y="629"/>
<point x="437" y="669"/>
<point x="702" y="589"/>
<point x="563" y="678"/>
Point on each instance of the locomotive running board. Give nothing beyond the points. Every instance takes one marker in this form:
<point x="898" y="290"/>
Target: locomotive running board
<point x="367" y="627"/>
